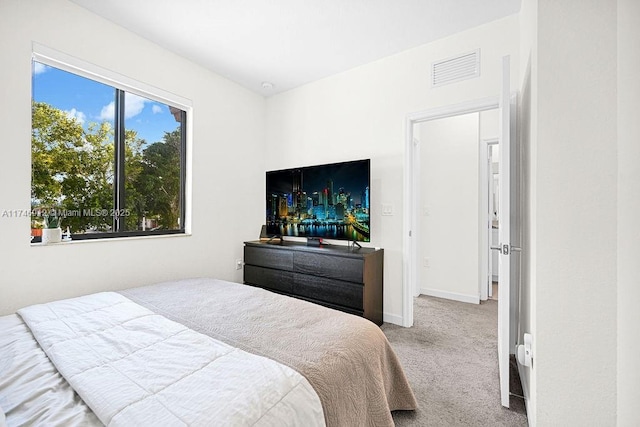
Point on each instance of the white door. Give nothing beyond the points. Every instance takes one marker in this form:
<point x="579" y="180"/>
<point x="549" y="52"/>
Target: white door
<point x="504" y="232"/>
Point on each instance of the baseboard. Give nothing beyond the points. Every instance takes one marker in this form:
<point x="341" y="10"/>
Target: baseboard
<point x="524" y="381"/>
<point x="392" y="318"/>
<point x="472" y="299"/>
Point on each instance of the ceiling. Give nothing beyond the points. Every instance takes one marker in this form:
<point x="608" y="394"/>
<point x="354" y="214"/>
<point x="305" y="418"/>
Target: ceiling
<point x="292" y="42"/>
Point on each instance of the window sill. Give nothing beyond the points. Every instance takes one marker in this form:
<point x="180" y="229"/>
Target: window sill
<point x="111" y="239"/>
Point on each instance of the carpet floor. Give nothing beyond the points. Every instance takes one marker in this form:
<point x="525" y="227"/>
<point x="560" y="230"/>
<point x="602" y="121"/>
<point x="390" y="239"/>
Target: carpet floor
<point x="450" y="357"/>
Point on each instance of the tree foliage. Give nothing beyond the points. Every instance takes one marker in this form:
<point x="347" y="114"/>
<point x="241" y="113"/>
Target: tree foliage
<point x="73" y="172"/>
<point x="158" y="181"/>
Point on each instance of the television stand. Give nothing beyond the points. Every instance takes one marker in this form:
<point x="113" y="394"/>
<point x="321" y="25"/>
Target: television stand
<point x="354" y="244"/>
<point x="264" y="237"/>
<point x="271" y="242"/>
<point x="334" y="276"/>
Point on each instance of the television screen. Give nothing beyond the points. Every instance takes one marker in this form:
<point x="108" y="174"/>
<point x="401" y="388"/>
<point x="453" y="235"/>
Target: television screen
<point x="327" y="201"/>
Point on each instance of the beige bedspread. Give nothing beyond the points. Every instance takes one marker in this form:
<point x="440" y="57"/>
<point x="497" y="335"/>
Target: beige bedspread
<point x="347" y="359"/>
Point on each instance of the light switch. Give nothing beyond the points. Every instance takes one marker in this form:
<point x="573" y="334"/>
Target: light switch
<point x="387" y="209"/>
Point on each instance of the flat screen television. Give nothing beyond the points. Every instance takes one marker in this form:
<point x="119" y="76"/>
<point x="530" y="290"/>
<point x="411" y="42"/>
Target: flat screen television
<point x="330" y="201"/>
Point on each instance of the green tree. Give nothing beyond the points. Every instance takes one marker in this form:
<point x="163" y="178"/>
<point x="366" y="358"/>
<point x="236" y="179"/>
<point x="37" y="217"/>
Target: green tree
<point x="158" y="183"/>
<point x="72" y="168"/>
<point x="133" y="168"/>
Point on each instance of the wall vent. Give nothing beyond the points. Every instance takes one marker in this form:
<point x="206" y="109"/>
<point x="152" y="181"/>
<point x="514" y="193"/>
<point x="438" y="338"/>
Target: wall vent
<point x="460" y="67"/>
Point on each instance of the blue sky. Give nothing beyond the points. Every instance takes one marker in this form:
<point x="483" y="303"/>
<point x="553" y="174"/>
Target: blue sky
<point x="89" y="101"/>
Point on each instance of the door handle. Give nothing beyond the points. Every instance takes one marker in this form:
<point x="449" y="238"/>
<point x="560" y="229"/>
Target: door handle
<point x="505" y="249"/>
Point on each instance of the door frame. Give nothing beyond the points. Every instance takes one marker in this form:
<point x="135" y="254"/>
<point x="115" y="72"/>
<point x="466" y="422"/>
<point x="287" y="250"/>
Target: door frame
<point x="410" y="280"/>
<point x="486" y="177"/>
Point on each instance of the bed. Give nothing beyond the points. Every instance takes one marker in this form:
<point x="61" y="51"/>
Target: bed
<point x="196" y="352"/>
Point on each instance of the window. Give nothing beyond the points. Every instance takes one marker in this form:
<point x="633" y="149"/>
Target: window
<point x="105" y="160"/>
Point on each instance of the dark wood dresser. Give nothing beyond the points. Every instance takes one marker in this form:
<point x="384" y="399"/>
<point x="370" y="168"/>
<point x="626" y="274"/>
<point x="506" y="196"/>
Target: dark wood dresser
<point x="333" y="276"/>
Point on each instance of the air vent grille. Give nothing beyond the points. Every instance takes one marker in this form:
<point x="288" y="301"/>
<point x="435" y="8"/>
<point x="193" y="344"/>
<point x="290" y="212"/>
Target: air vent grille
<point x="455" y="69"/>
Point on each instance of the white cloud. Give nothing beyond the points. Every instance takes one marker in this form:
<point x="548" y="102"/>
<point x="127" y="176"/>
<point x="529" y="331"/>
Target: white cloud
<point x="78" y="115"/>
<point x="156" y="109"/>
<point x="133" y="105"/>
<point x="39" y="68"/>
<point x="108" y="111"/>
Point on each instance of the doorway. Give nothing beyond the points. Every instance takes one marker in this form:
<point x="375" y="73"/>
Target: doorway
<point x="507" y="314"/>
<point x="412" y="199"/>
<point x="456" y="206"/>
<point x="490" y="176"/>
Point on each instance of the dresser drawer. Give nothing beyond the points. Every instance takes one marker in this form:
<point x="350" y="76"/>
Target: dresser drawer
<point x="272" y="258"/>
<point x="278" y="280"/>
<point x="334" y="267"/>
<point x="337" y="292"/>
<point x="338" y="277"/>
<point x="334" y="306"/>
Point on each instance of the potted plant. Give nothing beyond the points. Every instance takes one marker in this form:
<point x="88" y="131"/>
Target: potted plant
<point x="36" y="230"/>
<point x="51" y="233"/>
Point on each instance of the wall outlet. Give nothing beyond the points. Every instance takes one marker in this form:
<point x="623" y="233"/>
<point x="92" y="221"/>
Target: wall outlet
<point x="238" y="264"/>
<point x="387" y="209"/>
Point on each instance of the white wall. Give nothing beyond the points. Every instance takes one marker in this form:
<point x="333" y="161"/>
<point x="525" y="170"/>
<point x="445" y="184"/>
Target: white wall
<point x="361" y="112"/>
<point x="228" y="137"/>
<point x="448" y="231"/>
<point x="575" y="172"/>
<point x="628" y="212"/>
<point x="490" y="122"/>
